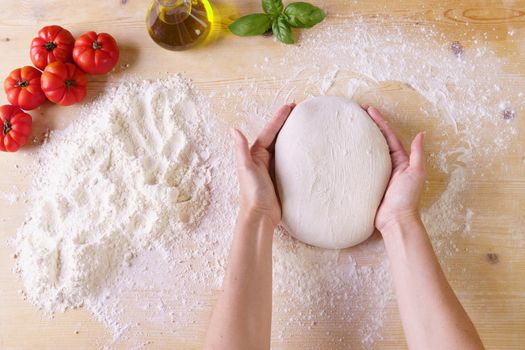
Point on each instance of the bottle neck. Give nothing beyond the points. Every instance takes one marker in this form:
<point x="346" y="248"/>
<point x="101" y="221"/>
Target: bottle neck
<point x="174" y="11"/>
<point x="173" y="4"/>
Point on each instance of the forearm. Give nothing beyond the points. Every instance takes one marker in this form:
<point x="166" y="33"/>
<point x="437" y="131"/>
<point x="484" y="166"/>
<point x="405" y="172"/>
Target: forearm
<point x="242" y="317"/>
<point x="432" y="316"/>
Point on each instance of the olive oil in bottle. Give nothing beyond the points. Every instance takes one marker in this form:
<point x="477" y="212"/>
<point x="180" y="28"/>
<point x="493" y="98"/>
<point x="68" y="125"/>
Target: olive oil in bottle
<point x="179" y="24"/>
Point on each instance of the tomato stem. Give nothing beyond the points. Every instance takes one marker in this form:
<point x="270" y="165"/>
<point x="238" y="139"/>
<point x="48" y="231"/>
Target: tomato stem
<point x="96" y="45"/>
<point x="7" y="127"/>
<point x="69" y="83"/>
<point x="23" y="83"/>
<point x="50" y="46"/>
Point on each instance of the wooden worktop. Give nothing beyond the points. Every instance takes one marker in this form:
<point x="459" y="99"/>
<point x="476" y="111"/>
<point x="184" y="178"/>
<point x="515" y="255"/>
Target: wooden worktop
<point x="495" y="258"/>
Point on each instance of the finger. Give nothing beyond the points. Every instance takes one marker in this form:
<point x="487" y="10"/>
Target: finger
<point x="270" y="131"/>
<point x="399" y="155"/>
<point x="417" y="152"/>
<point x="242" y="149"/>
<point x="365" y="107"/>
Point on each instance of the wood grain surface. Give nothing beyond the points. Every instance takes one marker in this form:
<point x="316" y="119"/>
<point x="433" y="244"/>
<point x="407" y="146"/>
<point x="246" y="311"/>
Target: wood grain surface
<point x="494" y="290"/>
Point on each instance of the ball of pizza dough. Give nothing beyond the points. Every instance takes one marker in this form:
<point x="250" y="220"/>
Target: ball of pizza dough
<point x="332" y="165"/>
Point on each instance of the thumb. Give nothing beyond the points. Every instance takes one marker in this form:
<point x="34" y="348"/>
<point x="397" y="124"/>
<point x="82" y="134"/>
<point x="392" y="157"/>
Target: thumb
<point x="242" y="149"/>
<point x="417" y="152"/>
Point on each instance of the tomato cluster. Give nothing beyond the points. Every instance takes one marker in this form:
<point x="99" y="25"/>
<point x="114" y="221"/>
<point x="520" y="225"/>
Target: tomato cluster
<point x="64" y="62"/>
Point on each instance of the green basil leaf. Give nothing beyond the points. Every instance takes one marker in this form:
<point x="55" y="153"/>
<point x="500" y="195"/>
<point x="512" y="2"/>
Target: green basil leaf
<point x="272" y="7"/>
<point x="282" y="30"/>
<point x="303" y="15"/>
<point x="254" y="24"/>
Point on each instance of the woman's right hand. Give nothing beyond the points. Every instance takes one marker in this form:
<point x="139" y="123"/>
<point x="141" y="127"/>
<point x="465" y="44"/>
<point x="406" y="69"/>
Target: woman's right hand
<point x="401" y="200"/>
<point x="258" y="194"/>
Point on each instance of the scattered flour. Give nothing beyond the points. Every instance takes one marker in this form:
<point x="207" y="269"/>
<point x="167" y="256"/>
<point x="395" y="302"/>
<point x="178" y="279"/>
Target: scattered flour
<point x="119" y="227"/>
<point x="10" y="197"/>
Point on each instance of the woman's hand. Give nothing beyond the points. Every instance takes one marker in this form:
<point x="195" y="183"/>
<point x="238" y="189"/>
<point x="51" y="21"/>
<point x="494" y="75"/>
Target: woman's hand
<point x="255" y="167"/>
<point x="242" y="318"/>
<point x="401" y="199"/>
<point x="432" y="316"/>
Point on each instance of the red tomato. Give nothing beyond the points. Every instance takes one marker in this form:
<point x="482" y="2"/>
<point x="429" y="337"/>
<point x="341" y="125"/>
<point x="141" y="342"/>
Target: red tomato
<point x="22" y="88"/>
<point x="96" y="53"/>
<point x="15" y="127"/>
<point x="64" y="83"/>
<point x="53" y="43"/>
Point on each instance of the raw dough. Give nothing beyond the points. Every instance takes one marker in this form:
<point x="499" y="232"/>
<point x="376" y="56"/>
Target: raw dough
<point x="332" y="165"/>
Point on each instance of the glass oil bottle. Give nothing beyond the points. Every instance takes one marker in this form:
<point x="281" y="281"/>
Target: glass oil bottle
<point x="179" y="24"/>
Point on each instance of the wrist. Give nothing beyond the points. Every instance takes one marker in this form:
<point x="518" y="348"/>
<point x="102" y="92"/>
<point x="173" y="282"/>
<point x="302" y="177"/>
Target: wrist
<point x="399" y="222"/>
<point x="256" y="216"/>
<point x="402" y="228"/>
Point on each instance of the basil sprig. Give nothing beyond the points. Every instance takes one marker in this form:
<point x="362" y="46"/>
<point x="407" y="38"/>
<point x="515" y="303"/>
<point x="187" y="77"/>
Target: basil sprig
<point x="279" y="19"/>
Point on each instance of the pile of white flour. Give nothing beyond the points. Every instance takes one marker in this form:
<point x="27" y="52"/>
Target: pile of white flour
<point x="131" y="174"/>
